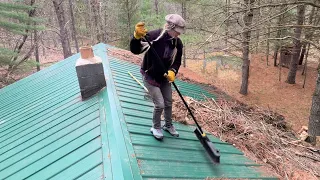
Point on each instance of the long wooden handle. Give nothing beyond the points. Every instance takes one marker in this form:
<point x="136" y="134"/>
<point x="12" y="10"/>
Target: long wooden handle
<point x="139" y="82"/>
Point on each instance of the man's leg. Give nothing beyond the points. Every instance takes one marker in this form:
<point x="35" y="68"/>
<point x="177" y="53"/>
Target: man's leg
<point x="167" y="96"/>
<point x="158" y="102"/>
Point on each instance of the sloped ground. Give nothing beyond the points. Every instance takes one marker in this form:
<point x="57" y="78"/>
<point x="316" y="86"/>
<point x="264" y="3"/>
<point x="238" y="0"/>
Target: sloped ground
<point x="265" y="90"/>
<point x="263" y="135"/>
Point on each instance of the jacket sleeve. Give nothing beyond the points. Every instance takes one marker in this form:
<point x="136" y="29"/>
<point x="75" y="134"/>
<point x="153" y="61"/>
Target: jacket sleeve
<point x="177" y="62"/>
<point x="135" y="45"/>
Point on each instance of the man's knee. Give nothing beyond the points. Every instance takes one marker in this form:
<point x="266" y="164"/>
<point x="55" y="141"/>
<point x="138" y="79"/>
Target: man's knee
<point x="159" y="106"/>
<point x="168" y="103"/>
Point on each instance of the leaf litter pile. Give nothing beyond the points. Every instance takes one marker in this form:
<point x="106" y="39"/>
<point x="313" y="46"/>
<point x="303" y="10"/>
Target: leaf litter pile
<point x="261" y="134"/>
<point x="124" y="55"/>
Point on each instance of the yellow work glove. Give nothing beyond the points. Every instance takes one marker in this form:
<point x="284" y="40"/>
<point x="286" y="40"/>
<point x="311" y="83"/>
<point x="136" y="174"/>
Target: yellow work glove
<point x="171" y="76"/>
<point x="140" y="31"/>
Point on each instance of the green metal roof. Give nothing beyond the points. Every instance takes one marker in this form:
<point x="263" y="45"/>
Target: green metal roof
<point x="47" y="132"/>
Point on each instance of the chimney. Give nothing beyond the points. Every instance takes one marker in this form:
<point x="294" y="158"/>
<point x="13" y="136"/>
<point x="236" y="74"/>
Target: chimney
<point x="90" y="73"/>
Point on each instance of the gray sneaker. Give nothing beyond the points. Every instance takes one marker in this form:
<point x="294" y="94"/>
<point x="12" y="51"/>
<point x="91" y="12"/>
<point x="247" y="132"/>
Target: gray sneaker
<point x="157" y="133"/>
<point x="172" y="130"/>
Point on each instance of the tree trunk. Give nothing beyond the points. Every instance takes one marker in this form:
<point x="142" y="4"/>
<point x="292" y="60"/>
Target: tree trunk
<point x="73" y="26"/>
<point x="184" y="10"/>
<point x="105" y="27"/>
<point x="90" y="24"/>
<point x="26" y="57"/>
<point x="305" y="67"/>
<point x="102" y="32"/>
<point x="268" y="45"/>
<point x="69" y="44"/>
<point x="87" y="22"/>
<point x="275" y="55"/>
<point x="156" y="6"/>
<point x="308" y="36"/>
<point x="303" y="51"/>
<point x="43" y="48"/>
<point x="258" y="32"/>
<point x="184" y="16"/>
<point x="314" y="119"/>
<point x="63" y="31"/>
<point x="18" y="48"/>
<point x="36" y="44"/>
<point x="184" y="57"/>
<point x="297" y="46"/>
<point x="128" y="20"/>
<point x="279" y="34"/>
<point x="246" y="48"/>
<point x="227" y="21"/>
<point x="96" y="17"/>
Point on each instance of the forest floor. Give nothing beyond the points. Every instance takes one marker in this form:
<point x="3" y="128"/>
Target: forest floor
<point x="266" y="90"/>
<point x="268" y="98"/>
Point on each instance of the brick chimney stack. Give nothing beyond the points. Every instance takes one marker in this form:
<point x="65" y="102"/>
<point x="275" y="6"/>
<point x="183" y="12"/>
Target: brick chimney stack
<point x="90" y="73"/>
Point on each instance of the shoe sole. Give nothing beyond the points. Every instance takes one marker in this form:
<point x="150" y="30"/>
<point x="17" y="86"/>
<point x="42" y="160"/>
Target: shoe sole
<point x="175" y="135"/>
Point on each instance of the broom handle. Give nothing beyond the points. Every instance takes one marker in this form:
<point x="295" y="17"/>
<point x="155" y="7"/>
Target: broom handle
<point x="185" y="103"/>
<point x="175" y="86"/>
<point x="138" y="82"/>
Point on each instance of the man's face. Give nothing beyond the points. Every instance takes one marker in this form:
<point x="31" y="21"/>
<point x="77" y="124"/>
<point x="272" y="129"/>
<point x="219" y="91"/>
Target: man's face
<point x="174" y="33"/>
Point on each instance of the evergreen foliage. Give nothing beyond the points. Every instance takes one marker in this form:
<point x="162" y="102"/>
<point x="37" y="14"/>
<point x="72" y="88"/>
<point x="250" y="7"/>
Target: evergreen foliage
<point x="14" y="18"/>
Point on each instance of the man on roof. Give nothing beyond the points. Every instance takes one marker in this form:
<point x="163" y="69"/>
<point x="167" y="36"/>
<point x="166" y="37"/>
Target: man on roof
<point x="168" y="46"/>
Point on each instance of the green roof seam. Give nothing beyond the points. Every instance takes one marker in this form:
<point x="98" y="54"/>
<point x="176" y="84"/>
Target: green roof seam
<point x="124" y="163"/>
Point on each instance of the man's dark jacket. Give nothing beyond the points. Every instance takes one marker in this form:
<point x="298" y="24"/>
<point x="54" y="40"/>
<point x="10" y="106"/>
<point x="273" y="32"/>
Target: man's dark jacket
<point x="164" y="48"/>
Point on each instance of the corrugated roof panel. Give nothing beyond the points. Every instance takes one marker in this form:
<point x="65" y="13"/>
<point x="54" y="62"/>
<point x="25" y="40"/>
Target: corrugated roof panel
<point x="47" y="131"/>
<point x="94" y="174"/>
<point x="182" y="157"/>
<point x="180" y="169"/>
<point x="124" y="81"/>
<point x="123" y="160"/>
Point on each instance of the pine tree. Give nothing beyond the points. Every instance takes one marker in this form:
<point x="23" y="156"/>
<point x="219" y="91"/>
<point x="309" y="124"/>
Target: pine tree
<point x="16" y="19"/>
<point x="128" y="17"/>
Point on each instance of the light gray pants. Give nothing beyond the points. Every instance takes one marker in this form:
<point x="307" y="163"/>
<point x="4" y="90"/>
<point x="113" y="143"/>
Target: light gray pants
<point x="162" y="99"/>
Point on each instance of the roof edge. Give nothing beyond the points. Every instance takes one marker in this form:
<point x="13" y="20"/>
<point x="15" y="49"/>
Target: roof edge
<point x="120" y="153"/>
